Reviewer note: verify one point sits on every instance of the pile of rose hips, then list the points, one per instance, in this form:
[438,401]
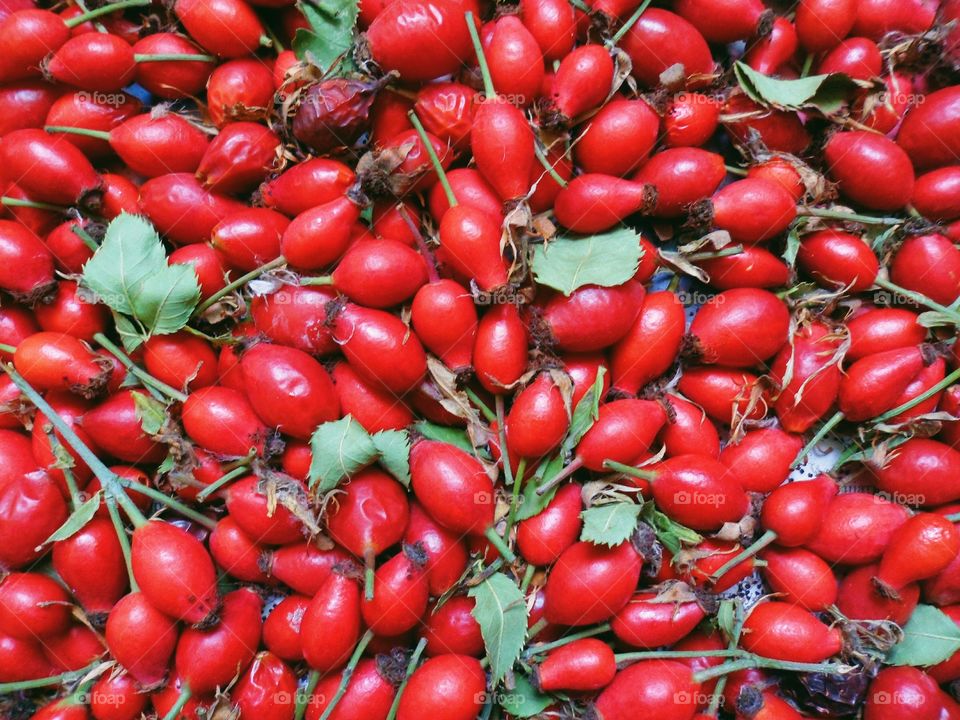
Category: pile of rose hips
[336,384]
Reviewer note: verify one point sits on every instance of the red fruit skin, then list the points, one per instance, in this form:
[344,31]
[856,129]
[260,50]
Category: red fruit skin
[514,59]
[181,360]
[856,57]
[207,264]
[239,158]
[116,696]
[209,411]
[721,392]
[688,431]
[690,120]
[859,599]
[592,317]
[914,693]
[33,606]
[875,18]
[295,316]
[303,567]
[542,538]
[182,210]
[27,37]
[79,110]
[319,236]
[452,629]
[49,168]
[937,194]
[870,170]
[592,203]
[331,625]
[803,578]
[699,492]
[448,686]
[401,596]
[783,631]
[380,347]
[856,528]
[618,138]
[232,549]
[446,111]
[881,329]
[469,188]
[71,409]
[470,246]
[173,79]
[420,39]
[228,28]
[716,554]
[740,328]
[582,81]
[795,511]
[267,689]
[373,407]
[781,131]
[380,273]
[581,666]
[55,361]
[936,259]
[207,659]
[925,380]
[90,563]
[755,267]
[28,264]
[761,459]
[288,389]
[928,133]
[645,623]
[370,515]
[781,171]
[452,486]
[306,185]
[660,39]
[174,571]
[446,553]
[612,573]
[141,639]
[445,319]
[838,259]
[722,22]
[368,696]
[919,474]
[249,239]
[753,210]
[537,421]
[281,629]
[239,89]
[681,177]
[114,425]
[656,688]
[623,432]
[552,24]
[22,660]
[874,384]
[948,670]
[822,24]
[500,350]
[652,343]
[25,105]
[772,52]
[503,147]
[248,505]
[68,312]
[920,548]
[97,62]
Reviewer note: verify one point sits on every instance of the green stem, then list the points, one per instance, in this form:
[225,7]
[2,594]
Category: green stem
[238,283]
[318,280]
[504,453]
[488,87]
[484,409]
[755,661]
[548,165]
[850,217]
[105,10]
[10,349]
[68,476]
[173,57]
[629,23]
[411,666]
[807,65]
[630,470]
[154,494]
[677,654]
[955,517]
[369,572]
[528,574]
[714,708]
[347,674]
[499,543]
[17,202]
[12,687]
[919,299]
[220,482]
[546,647]
[723,252]
[86,237]
[146,378]
[185,695]
[768,537]
[569,470]
[515,498]
[303,699]
[86,132]
[927,394]
[820,435]
[122,539]
[734,170]
[434,158]
[537,627]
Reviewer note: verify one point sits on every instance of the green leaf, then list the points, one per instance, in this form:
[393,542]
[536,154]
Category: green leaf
[792,248]
[393,446]
[501,612]
[568,263]
[929,637]
[339,449]
[77,520]
[727,617]
[151,413]
[129,273]
[585,414]
[672,535]
[827,93]
[523,701]
[532,504]
[442,433]
[610,524]
[330,36]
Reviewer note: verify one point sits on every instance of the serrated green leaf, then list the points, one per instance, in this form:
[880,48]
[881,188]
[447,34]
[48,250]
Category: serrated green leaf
[77,520]
[610,524]
[827,93]
[168,464]
[501,612]
[532,504]
[929,637]
[151,413]
[330,36]
[442,433]
[568,263]
[585,414]
[339,449]
[393,446]
[129,274]
[524,700]
[672,535]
